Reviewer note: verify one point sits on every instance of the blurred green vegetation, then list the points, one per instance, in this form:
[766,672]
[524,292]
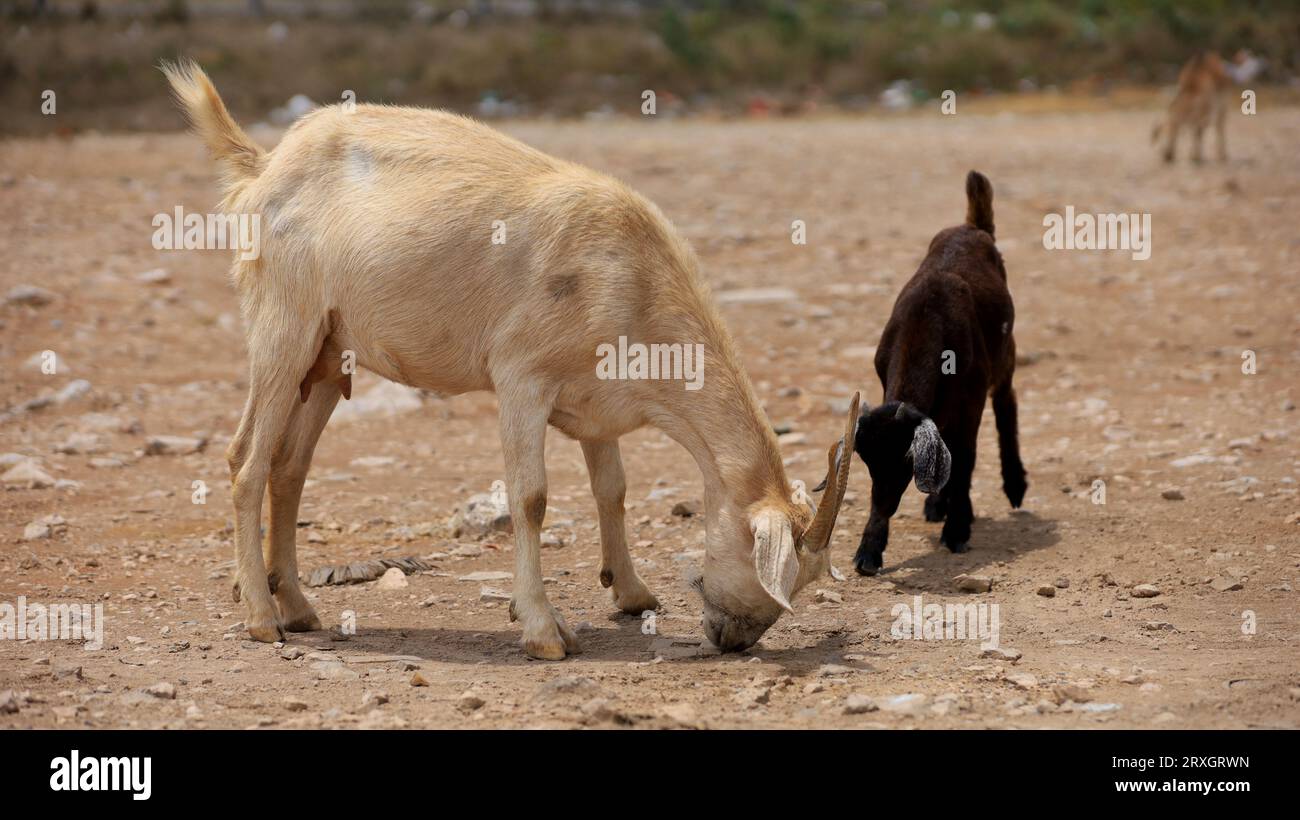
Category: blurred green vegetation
[570,58]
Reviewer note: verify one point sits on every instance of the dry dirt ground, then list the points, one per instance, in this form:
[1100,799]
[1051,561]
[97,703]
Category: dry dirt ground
[1131,374]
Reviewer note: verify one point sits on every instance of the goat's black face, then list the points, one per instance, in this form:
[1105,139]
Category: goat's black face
[898,442]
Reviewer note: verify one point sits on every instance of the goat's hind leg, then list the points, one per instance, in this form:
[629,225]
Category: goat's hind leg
[1005,413]
[288,473]
[608,485]
[273,392]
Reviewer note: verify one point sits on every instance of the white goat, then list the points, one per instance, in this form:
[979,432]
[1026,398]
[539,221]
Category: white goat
[377,228]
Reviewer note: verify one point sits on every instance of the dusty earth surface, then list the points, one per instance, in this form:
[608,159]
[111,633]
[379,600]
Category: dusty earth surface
[1131,374]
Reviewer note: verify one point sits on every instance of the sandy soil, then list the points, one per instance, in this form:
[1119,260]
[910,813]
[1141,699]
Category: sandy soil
[1131,375]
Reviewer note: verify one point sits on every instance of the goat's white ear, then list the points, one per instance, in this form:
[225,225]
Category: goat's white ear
[775,555]
[931,461]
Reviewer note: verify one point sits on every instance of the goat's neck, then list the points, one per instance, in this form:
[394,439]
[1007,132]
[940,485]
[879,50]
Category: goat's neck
[725,429]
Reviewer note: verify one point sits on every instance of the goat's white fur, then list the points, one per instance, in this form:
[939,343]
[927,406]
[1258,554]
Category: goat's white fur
[377,227]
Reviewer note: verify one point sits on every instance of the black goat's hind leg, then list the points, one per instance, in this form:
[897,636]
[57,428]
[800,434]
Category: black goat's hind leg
[1013,470]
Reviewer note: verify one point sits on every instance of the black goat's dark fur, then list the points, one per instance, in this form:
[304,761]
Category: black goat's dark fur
[956,309]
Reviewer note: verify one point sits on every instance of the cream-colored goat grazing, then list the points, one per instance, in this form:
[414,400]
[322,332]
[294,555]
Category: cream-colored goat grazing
[377,228]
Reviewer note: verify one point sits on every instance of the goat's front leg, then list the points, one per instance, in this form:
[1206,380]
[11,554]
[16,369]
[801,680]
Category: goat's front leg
[524,411]
[1171,137]
[936,506]
[886,492]
[956,529]
[1198,140]
[608,485]
[1219,132]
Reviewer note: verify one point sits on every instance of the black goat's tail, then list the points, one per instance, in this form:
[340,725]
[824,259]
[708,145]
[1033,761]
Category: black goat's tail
[979,202]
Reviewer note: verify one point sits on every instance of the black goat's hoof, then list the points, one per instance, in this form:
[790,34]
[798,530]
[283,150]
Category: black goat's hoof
[959,547]
[868,563]
[1015,489]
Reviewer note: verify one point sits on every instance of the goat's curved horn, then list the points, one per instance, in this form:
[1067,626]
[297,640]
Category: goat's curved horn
[818,536]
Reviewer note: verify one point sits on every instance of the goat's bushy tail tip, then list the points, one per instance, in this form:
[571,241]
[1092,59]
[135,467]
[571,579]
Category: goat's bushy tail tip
[208,116]
[979,202]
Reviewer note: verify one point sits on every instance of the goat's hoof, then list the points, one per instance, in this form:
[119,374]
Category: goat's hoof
[300,620]
[296,613]
[1015,489]
[266,631]
[304,623]
[548,638]
[634,600]
[868,563]
[957,547]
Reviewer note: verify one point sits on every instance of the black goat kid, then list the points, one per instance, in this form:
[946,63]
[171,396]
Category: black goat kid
[947,345]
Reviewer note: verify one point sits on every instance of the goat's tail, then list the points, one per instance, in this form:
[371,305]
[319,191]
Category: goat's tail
[241,158]
[979,202]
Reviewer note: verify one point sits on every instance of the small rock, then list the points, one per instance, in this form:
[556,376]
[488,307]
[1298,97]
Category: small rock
[1226,584]
[907,704]
[1063,692]
[333,670]
[826,596]
[157,276]
[29,295]
[686,509]
[859,705]
[173,445]
[469,701]
[294,705]
[1023,681]
[1001,654]
[601,710]
[486,576]
[162,690]
[1047,591]
[1146,591]
[393,578]
[973,583]
[418,680]
[484,514]
[27,474]
[1172,494]
[493,594]
[292,653]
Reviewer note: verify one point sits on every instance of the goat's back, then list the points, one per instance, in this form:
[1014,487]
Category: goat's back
[956,302]
[443,244]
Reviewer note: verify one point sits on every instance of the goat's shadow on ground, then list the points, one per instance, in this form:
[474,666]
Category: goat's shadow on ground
[992,540]
[622,641]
